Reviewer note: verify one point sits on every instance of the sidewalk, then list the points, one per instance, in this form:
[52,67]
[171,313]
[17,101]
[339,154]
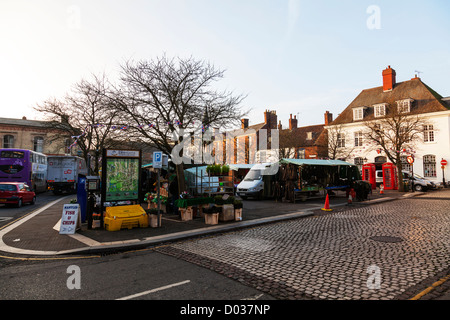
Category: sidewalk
[37,233]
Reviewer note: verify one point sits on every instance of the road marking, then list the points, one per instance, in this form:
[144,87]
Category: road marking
[431,288]
[155,290]
[14,224]
[5,218]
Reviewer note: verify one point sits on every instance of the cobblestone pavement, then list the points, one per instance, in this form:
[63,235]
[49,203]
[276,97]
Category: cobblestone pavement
[387,251]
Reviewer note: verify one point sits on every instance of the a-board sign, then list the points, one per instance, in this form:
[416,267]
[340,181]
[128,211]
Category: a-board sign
[70,220]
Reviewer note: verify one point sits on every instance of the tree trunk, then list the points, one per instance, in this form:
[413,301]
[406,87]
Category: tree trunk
[401,186]
[180,177]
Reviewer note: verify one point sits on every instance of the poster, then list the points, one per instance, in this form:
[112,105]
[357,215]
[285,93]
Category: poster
[122,180]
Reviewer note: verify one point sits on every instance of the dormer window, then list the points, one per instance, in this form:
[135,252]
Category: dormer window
[379,110]
[309,136]
[404,106]
[358,113]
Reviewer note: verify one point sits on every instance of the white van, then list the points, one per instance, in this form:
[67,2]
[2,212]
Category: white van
[420,183]
[253,183]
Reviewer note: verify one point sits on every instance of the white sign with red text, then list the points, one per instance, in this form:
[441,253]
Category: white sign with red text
[70,220]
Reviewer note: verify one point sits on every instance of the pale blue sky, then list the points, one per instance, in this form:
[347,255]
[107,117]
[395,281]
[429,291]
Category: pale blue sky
[293,56]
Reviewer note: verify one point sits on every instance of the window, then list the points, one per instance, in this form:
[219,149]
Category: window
[405,165]
[8,141]
[309,136]
[358,114]
[379,110]
[38,145]
[428,133]
[301,154]
[359,163]
[358,139]
[429,165]
[340,140]
[404,106]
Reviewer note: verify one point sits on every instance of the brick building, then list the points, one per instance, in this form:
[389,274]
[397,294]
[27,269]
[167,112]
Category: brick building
[33,135]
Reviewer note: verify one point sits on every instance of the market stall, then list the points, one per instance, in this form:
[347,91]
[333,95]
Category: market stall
[301,179]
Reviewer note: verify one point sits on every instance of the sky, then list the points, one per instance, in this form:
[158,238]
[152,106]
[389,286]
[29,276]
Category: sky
[299,57]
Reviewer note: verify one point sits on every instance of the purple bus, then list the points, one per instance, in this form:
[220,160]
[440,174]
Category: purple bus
[20,165]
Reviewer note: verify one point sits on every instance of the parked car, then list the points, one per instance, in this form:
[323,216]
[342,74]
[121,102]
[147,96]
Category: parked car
[420,183]
[16,193]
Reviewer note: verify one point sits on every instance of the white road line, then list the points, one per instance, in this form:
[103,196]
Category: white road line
[8,228]
[155,290]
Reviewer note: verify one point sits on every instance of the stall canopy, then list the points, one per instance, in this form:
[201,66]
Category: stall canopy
[315,162]
[236,167]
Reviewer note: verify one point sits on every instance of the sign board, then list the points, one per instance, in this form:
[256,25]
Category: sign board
[70,220]
[121,175]
[410,159]
[157,159]
[444,162]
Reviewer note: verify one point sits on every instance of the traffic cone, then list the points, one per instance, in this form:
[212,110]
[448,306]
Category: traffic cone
[350,200]
[327,204]
[381,189]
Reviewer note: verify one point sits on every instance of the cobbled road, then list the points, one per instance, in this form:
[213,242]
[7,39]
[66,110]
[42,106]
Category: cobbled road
[378,252]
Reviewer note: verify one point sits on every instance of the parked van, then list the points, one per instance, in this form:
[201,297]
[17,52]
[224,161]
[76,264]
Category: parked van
[255,180]
[379,177]
[420,183]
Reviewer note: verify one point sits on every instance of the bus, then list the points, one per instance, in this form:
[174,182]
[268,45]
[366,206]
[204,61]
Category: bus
[20,165]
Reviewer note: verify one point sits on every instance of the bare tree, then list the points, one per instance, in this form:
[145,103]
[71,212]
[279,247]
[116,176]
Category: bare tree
[394,133]
[86,114]
[163,96]
[338,146]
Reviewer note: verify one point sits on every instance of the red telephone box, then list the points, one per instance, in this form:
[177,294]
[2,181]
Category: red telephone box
[368,174]
[390,179]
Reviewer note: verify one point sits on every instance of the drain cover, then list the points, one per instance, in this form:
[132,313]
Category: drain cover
[387,239]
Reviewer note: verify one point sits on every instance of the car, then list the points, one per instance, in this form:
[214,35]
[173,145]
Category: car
[420,183]
[16,193]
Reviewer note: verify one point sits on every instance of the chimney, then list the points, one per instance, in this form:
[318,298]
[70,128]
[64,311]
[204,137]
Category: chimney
[270,118]
[280,127]
[292,122]
[388,79]
[328,118]
[244,123]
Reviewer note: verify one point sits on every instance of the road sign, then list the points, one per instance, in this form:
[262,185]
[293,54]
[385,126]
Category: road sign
[410,159]
[444,162]
[157,159]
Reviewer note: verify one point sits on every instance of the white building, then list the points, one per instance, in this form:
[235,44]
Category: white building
[413,98]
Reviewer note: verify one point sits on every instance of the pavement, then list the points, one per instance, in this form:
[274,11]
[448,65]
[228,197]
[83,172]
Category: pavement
[37,233]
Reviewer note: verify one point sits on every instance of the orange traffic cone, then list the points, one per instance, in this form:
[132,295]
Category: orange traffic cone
[327,204]
[350,199]
[381,189]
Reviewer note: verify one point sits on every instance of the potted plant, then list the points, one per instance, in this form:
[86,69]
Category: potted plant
[96,220]
[238,205]
[219,201]
[211,215]
[153,217]
[224,170]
